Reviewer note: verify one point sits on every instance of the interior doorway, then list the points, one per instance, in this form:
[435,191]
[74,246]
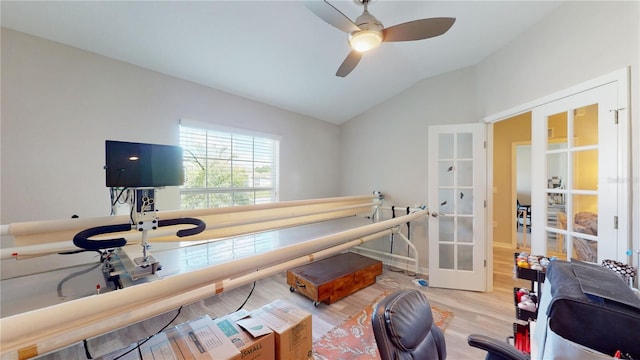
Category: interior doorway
[549,190]
[508,135]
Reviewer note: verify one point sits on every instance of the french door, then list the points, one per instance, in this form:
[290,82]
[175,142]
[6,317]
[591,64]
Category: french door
[457,194]
[576,161]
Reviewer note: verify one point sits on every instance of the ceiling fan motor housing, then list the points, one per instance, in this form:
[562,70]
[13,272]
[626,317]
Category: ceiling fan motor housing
[366,21]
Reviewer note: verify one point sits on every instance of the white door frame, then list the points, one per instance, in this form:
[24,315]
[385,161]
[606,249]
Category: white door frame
[621,77]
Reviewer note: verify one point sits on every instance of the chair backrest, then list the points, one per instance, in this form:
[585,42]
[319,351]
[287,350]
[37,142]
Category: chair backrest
[403,328]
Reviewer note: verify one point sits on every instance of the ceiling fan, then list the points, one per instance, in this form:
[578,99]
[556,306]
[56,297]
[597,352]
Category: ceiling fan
[367,32]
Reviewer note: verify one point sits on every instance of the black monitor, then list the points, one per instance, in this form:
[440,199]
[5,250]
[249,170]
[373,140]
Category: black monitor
[142,165]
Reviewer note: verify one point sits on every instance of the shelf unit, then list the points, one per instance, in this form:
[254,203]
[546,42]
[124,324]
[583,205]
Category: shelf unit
[521,329]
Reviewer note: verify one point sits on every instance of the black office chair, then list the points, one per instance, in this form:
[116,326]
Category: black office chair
[403,328]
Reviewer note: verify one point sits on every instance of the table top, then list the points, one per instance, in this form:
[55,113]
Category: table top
[331,268]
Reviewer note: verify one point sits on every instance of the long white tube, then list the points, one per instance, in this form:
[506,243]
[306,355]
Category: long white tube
[159,306]
[33,227]
[168,234]
[293,213]
[30,251]
[221,222]
[76,316]
[36,250]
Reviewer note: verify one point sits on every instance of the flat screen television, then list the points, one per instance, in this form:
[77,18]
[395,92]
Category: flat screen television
[131,164]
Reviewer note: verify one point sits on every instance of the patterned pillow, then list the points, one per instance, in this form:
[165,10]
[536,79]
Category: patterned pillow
[625,271]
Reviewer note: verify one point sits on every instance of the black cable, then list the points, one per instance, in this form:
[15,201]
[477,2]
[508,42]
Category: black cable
[86,349]
[78,251]
[132,208]
[117,199]
[393,216]
[149,338]
[248,296]
[408,224]
[163,328]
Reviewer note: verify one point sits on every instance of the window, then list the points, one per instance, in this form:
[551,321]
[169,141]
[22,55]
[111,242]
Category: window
[227,167]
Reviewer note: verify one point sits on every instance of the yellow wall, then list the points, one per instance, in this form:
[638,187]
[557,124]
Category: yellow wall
[505,133]
[518,130]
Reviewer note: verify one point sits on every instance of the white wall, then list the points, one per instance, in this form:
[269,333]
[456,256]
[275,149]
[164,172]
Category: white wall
[385,149]
[59,105]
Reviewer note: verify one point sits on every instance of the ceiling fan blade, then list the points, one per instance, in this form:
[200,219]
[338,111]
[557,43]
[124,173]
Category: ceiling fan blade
[349,63]
[331,15]
[418,29]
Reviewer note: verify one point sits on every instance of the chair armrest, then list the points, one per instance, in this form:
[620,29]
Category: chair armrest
[497,350]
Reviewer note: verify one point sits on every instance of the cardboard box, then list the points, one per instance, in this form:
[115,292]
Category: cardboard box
[162,347]
[292,328]
[250,347]
[200,339]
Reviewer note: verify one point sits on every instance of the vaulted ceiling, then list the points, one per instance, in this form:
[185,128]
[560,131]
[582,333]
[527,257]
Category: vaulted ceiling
[278,52]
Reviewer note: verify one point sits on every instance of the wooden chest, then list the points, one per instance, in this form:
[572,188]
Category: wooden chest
[334,278]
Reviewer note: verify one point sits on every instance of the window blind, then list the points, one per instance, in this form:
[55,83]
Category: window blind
[227,168]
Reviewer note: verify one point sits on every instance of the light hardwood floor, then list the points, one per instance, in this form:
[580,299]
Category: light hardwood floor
[490,313]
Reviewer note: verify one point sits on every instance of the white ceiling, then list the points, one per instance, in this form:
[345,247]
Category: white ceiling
[278,52]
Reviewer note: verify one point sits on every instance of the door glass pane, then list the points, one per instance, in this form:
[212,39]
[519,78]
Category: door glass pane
[586,125]
[586,213]
[585,170]
[556,217]
[445,146]
[446,256]
[445,228]
[465,202]
[465,229]
[465,173]
[465,257]
[556,176]
[445,173]
[585,250]
[556,245]
[465,145]
[557,129]
[446,201]
[585,221]
[556,241]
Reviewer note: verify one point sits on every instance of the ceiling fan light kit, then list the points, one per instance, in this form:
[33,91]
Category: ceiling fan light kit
[367,32]
[365,40]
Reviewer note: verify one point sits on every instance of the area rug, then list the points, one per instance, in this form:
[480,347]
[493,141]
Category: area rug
[353,339]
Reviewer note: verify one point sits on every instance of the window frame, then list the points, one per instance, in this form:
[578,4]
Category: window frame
[236,137]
